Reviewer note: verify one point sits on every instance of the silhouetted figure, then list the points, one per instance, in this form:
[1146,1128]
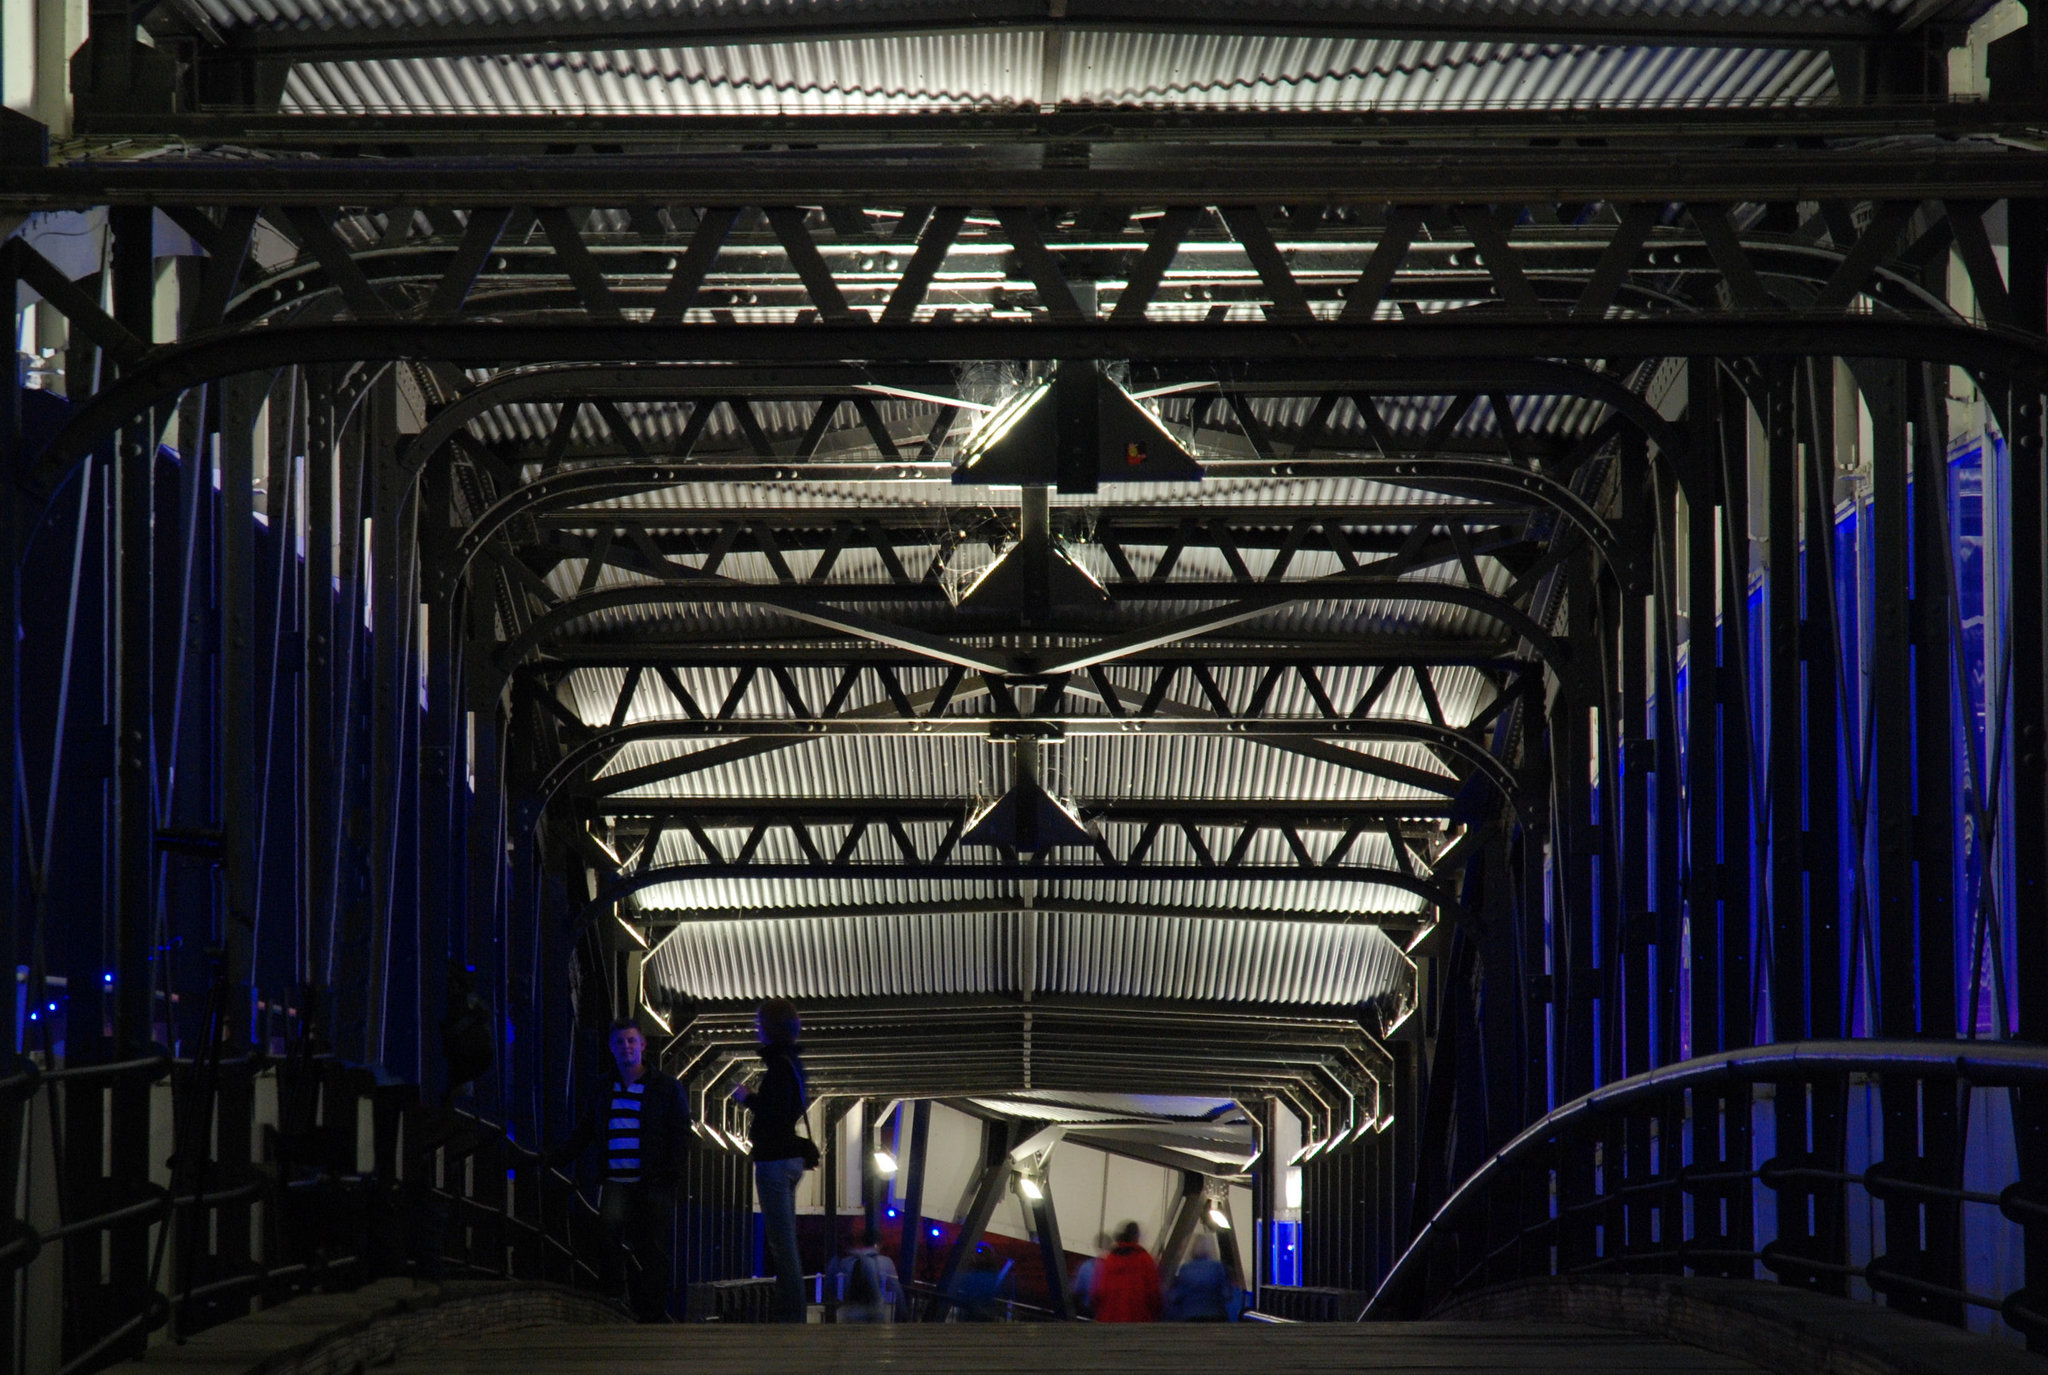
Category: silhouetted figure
[1202,1289]
[980,1293]
[866,1282]
[1081,1289]
[1126,1287]
[640,1118]
[780,1156]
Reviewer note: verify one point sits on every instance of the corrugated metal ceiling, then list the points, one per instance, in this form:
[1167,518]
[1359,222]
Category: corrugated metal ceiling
[1117,956]
[925,936]
[1005,70]
[1022,66]
[370,14]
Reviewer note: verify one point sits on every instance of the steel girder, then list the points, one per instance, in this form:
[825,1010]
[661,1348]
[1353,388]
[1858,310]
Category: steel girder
[176,368]
[1322,1059]
[1265,165]
[1763,357]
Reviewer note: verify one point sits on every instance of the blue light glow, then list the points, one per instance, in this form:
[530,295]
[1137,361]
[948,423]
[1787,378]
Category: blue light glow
[106,978]
[893,1213]
[935,1231]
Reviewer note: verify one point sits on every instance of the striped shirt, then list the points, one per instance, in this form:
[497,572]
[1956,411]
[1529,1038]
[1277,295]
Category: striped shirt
[622,1142]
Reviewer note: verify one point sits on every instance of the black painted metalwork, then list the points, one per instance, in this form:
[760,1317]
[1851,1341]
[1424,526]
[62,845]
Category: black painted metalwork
[312,596]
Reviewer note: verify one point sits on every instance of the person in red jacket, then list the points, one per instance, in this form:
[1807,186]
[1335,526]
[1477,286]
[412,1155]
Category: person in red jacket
[1127,1282]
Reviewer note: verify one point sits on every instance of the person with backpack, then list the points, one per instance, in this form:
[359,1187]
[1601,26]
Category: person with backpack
[780,1155]
[1127,1282]
[866,1282]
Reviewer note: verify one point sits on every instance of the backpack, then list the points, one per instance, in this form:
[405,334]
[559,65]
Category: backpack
[864,1285]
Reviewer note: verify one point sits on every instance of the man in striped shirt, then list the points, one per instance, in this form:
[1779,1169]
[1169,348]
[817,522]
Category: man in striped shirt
[640,1118]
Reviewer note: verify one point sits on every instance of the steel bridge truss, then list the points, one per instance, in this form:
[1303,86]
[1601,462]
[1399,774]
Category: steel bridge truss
[532,582]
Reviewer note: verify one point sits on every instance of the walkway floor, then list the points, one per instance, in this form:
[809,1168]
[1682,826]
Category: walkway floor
[1028,1348]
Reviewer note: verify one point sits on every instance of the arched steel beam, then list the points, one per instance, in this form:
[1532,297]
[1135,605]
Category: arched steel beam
[620,888]
[1408,732]
[1401,922]
[168,372]
[642,271]
[1244,604]
[601,748]
[567,768]
[1440,473]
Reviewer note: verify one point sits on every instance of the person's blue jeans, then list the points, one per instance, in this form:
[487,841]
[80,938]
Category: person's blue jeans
[775,1181]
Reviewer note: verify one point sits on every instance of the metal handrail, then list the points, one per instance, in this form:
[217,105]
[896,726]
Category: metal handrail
[1991,1063]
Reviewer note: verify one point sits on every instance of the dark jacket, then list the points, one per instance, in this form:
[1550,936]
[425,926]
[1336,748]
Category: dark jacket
[665,1137]
[777,1104]
[1201,1293]
[1127,1286]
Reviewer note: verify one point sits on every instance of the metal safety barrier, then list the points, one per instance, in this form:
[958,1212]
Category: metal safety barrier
[254,1212]
[1659,1173]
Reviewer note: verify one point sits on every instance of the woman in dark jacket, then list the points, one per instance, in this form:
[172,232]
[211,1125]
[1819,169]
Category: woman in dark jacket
[777,1104]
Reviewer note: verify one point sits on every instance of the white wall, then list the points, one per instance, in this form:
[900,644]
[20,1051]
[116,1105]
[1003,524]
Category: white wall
[1092,1192]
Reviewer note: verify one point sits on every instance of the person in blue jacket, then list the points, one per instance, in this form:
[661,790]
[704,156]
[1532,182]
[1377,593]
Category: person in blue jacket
[1202,1289]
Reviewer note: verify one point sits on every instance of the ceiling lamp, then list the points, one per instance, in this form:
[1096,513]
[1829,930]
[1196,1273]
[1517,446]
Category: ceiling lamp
[885,1163]
[1037,575]
[1030,1188]
[1026,818]
[1075,430]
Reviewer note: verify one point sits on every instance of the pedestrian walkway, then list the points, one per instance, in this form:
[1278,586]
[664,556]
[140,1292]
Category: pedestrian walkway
[1027,1348]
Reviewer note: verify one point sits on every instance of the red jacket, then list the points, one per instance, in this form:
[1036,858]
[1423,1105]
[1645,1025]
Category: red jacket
[1127,1286]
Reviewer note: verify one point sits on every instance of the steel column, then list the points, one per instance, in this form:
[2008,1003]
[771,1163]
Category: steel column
[911,1166]
[242,400]
[996,1139]
[2027,688]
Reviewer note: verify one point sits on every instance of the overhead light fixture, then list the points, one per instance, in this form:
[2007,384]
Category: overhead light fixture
[996,425]
[1076,430]
[1029,1187]
[885,1163]
[1026,818]
[1035,576]
[1219,1219]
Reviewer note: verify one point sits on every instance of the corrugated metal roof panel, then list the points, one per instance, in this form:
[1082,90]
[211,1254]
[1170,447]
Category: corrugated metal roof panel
[1005,69]
[1363,900]
[1193,959]
[1250,71]
[383,14]
[1216,959]
[839,957]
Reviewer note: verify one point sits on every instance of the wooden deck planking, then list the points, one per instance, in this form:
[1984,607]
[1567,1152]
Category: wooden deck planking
[1024,1349]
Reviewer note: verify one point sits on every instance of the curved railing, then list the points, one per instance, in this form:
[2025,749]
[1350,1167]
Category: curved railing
[1658,1173]
[423,1191]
